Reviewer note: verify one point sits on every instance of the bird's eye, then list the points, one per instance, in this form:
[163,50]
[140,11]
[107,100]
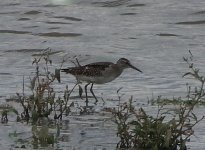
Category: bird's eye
[126,62]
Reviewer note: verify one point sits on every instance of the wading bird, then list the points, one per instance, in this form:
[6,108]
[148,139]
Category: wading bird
[99,73]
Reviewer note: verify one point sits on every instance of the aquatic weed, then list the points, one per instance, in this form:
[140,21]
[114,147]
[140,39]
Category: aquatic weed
[171,128]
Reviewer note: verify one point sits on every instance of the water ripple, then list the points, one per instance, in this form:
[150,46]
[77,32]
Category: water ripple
[11,4]
[10,12]
[5,73]
[69,18]
[199,12]
[53,28]
[192,22]
[32,12]
[57,22]
[128,14]
[51,5]
[24,50]
[111,3]
[58,34]
[14,32]
[166,34]
[23,19]
[136,5]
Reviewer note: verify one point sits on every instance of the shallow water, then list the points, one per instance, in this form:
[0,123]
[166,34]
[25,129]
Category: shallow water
[153,35]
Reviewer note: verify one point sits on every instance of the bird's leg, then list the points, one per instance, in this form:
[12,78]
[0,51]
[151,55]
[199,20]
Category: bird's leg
[91,90]
[86,94]
[80,91]
[73,88]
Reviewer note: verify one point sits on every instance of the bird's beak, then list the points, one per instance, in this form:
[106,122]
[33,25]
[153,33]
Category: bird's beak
[133,67]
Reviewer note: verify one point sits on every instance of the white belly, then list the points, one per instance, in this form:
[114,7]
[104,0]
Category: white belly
[97,80]
[107,76]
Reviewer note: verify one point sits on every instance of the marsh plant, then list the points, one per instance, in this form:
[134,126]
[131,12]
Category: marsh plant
[171,128]
[43,102]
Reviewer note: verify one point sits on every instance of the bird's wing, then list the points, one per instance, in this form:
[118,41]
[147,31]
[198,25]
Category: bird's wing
[99,65]
[73,70]
[93,69]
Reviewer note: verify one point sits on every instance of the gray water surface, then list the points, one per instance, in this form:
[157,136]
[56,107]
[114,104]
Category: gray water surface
[153,34]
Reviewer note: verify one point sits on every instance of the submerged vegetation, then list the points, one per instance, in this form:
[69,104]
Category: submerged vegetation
[170,128]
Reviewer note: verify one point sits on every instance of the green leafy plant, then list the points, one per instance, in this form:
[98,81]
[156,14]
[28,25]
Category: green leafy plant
[170,129]
[42,102]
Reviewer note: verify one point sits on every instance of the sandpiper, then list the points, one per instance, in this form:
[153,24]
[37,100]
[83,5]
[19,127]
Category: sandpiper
[99,73]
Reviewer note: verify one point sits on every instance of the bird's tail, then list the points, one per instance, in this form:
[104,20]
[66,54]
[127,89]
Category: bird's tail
[66,70]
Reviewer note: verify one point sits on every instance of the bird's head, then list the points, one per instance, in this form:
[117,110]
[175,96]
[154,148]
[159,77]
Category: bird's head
[125,63]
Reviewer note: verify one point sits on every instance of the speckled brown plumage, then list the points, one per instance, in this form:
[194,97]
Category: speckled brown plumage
[100,72]
[91,70]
